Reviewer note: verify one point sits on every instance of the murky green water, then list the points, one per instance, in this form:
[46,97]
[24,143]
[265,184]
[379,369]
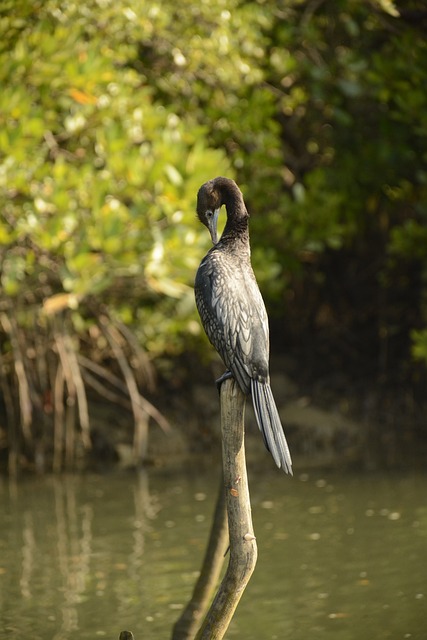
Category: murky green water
[340,556]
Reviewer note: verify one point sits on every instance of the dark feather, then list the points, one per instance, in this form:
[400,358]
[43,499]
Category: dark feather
[232,310]
[269,423]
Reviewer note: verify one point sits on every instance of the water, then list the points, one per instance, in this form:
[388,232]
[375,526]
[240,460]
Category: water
[341,556]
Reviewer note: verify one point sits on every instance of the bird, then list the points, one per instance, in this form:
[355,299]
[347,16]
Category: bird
[232,310]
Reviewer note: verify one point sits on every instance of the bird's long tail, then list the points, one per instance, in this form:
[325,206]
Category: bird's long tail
[270,425]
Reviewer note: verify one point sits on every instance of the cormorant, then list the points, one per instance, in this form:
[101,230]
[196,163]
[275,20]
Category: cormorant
[232,310]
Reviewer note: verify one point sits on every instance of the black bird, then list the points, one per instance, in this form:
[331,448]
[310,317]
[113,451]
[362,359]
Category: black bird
[232,310]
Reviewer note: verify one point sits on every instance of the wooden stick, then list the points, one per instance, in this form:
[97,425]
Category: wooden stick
[243,548]
[187,624]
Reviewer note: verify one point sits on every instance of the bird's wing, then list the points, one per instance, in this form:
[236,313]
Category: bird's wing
[234,318]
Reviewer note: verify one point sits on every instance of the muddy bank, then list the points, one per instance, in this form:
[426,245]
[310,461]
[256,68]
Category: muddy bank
[331,420]
[329,423]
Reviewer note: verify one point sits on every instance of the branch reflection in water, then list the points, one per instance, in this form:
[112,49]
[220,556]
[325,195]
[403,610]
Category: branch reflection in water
[74,546]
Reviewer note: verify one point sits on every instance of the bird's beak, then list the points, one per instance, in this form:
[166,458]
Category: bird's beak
[213,226]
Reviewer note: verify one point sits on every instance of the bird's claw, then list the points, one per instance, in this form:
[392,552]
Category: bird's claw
[225,376]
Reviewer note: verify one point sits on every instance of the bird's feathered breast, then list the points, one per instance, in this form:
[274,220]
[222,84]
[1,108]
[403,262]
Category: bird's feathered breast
[233,314]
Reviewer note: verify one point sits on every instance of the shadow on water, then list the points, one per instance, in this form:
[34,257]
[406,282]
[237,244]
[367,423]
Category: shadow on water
[86,556]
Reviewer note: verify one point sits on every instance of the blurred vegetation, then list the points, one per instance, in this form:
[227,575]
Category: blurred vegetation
[112,114]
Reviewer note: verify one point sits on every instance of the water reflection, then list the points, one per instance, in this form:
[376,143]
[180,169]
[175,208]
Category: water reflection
[74,545]
[67,543]
[84,557]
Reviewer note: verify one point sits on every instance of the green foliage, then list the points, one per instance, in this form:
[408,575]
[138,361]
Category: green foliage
[420,345]
[352,109]
[110,114]
[97,179]
[113,114]
[97,194]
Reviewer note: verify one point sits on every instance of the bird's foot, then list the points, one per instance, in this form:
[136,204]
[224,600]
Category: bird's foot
[225,376]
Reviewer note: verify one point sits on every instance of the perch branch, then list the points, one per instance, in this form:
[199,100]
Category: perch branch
[243,548]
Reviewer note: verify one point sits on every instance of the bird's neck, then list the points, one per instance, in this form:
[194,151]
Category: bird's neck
[236,230]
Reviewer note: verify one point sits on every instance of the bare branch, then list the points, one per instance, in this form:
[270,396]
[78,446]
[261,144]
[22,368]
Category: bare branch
[243,548]
[58,401]
[118,384]
[74,380]
[140,417]
[25,404]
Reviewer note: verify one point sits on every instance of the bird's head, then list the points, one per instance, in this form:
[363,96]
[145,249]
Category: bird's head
[212,195]
[209,201]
